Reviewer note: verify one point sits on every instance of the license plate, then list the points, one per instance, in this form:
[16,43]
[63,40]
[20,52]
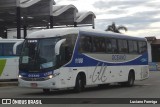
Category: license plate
[34,85]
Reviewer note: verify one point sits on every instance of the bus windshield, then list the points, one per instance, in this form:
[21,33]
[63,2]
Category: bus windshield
[38,54]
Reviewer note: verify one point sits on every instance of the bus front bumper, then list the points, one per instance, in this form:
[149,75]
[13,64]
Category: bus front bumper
[48,84]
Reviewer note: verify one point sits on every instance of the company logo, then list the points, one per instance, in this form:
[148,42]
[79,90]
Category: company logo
[21,101]
[34,75]
[144,60]
[6,101]
[119,57]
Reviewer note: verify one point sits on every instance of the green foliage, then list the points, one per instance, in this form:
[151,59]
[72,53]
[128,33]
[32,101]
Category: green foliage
[2,65]
[114,28]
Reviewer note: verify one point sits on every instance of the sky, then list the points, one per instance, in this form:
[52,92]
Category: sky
[141,17]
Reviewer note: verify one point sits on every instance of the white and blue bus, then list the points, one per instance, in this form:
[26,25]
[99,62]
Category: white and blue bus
[75,58]
[9,63]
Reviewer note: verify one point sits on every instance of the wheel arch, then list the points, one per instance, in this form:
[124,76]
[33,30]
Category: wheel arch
[82,74]
[133,72]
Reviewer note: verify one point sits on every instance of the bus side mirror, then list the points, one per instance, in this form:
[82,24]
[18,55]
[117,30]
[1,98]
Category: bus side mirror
[58,45]
[17,48]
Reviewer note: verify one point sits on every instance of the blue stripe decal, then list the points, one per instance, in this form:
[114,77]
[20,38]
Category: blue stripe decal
[35,75]
[84,61]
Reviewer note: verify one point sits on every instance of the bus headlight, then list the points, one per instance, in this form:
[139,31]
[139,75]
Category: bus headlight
[20,76]
[51,76]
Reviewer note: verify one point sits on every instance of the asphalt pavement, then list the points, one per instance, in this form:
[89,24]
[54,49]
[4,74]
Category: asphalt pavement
[149,88]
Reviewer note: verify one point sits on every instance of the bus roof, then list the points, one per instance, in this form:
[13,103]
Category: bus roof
[52,32]
[64,31]
[10,40]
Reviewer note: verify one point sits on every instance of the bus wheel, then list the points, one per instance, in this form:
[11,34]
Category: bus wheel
[79,84]
[46,91]
[130,82]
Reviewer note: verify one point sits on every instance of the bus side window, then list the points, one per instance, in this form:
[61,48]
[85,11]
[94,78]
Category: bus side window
[142,47]
[8,51]
[123,47]
[111,45]
[65,54]
[114,46]
[85,44]
[133,49]
[108,45]
[1,49]
[68,53]
[99,45]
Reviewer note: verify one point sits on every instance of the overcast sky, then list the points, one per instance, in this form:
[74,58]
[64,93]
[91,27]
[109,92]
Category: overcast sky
[141,17]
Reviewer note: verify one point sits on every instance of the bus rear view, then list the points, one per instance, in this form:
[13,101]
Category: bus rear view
[8,61]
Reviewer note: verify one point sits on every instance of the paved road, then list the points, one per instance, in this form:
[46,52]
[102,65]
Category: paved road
[149,88]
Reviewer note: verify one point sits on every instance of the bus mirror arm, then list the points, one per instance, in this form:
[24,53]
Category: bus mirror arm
[57,61]
[58,45]
[15,48]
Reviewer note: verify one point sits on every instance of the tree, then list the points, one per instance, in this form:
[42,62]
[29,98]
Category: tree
[114,28]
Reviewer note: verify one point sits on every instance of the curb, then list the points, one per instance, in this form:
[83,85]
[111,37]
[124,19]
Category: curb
[6,84]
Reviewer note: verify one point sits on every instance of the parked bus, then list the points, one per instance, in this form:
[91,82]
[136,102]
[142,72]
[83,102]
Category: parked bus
[75,58]
[8,61]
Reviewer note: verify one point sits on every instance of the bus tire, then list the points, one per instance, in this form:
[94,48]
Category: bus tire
[130,82]
[46,91]
[79,86]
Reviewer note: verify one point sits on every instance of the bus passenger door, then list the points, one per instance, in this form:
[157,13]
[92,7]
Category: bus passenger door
[63,58]
[70,70]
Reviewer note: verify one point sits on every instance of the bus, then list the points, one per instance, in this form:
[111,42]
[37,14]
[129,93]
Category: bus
[76,57]
[8,61]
